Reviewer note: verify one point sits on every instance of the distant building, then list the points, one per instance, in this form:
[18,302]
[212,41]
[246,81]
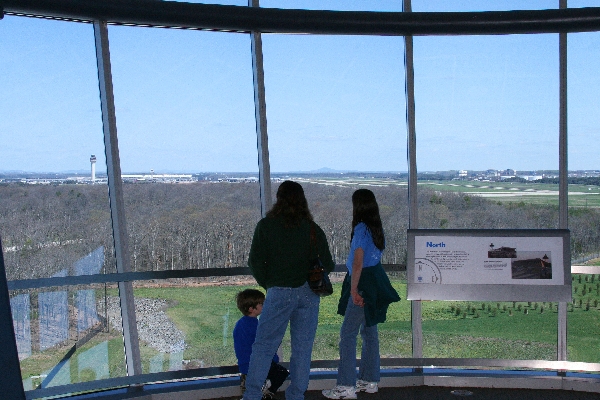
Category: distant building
[507,174]
[503,252]
[531,177]
[93,162]
[152,177]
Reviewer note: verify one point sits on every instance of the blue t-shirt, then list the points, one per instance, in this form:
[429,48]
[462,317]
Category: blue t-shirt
[244,334]
[362,239]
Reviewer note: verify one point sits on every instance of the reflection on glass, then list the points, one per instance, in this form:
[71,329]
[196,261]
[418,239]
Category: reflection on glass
[21,314]
[93,363]
[90,264]
[156,363]
[64,336]
[87,314]
[57,375]
[53,318]
[189,323]
[165,333]
[55,327]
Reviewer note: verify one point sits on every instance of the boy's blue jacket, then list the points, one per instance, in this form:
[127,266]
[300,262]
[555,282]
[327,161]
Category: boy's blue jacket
[377,292]
[244,334]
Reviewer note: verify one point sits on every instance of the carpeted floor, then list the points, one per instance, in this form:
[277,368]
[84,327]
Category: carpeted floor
[444,393]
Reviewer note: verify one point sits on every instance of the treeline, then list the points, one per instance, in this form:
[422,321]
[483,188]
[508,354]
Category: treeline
[573,180]
[45,230]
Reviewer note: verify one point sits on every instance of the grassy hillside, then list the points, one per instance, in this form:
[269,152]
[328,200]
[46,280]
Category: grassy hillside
[508,330]
[451,329]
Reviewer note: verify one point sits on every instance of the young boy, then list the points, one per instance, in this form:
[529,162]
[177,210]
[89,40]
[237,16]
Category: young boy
[250,303]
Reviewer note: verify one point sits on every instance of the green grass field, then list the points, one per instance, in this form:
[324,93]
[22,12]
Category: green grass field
[451,329]
[504,330]
[528,193]
[505,192]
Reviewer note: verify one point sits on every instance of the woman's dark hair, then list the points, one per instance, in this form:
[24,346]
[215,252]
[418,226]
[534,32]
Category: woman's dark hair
[365,209]
[291,204]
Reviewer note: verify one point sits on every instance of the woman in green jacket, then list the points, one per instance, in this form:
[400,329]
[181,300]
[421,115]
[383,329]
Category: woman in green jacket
[279,261]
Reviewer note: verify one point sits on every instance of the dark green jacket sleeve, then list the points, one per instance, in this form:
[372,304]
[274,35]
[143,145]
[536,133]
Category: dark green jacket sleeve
[257,260]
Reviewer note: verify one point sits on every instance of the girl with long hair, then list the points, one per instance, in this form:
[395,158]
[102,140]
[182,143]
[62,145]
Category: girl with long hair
[366,295]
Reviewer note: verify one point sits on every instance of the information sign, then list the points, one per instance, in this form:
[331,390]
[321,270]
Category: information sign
[508,265]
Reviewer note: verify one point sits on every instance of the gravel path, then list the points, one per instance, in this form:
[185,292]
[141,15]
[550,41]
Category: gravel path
[154,326]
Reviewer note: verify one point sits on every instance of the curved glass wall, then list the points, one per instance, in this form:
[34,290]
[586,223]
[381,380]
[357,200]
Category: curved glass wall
[335,113]
[486,115]
[583,122]
[185,117]
[55,216]
[486,111]
[187,142]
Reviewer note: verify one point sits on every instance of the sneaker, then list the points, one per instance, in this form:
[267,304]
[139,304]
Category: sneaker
[266,393]
[268,396]
[266,386]
[364,386]
[340,392]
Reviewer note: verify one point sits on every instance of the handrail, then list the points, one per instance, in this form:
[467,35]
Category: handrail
[23,284]
[38,283]
[270,20]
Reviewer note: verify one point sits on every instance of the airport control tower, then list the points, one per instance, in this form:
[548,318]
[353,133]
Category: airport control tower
[93,162]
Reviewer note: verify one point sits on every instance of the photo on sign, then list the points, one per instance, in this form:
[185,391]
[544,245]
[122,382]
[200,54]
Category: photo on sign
[532,265]
[502,252]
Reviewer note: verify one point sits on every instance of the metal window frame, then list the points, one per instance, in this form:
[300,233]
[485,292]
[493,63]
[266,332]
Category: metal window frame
[256,20]
[175,14]
[563,206]
[260,115]
[115,192]
[10,366]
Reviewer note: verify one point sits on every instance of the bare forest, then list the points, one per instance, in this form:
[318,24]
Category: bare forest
[46,229]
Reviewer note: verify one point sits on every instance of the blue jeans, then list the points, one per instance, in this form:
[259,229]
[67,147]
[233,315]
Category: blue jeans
[369,371]
[300,307]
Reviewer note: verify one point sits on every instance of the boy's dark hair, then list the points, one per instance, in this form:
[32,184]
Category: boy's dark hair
[249,298]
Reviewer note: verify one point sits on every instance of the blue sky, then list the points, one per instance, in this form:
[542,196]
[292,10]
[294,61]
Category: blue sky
[184,100]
